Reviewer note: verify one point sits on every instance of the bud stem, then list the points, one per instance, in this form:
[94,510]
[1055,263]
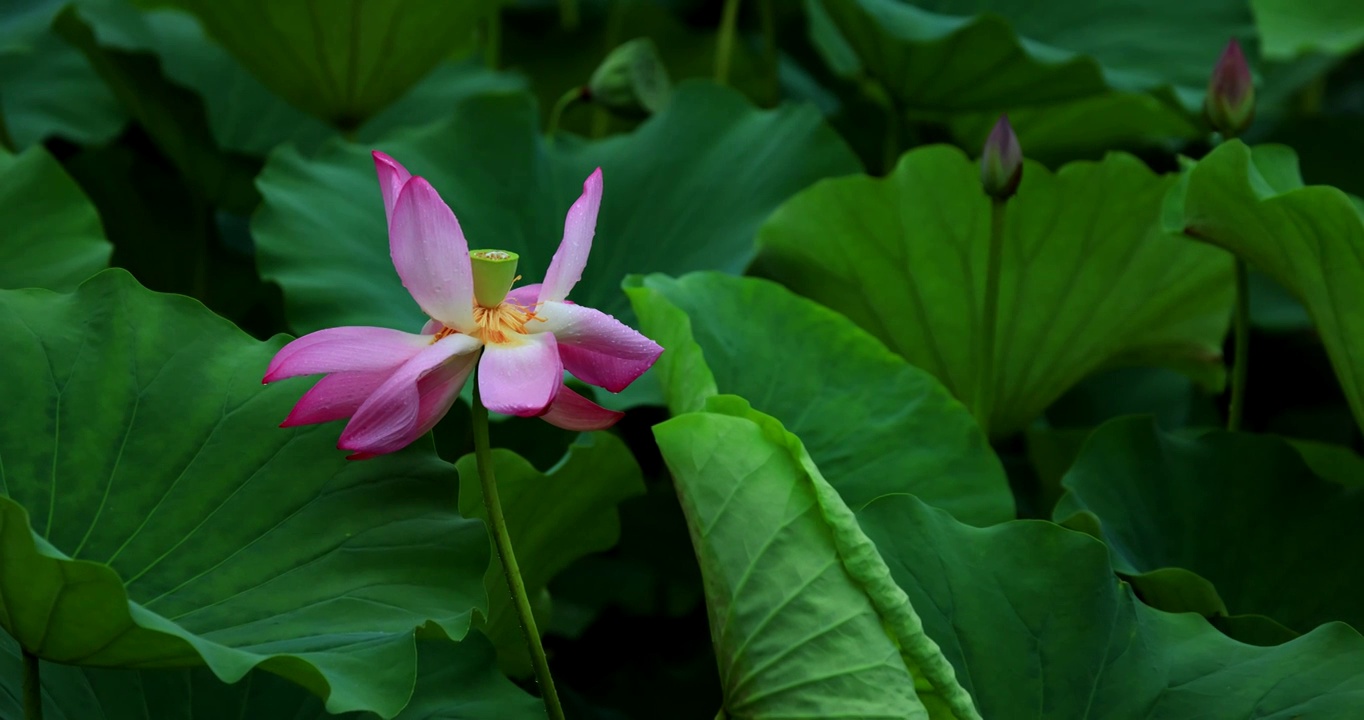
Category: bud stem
[497,523]
[984,399]
[724,44]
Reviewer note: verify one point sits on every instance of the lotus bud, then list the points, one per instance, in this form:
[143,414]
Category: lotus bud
[1230,104]
[1001,162]
[631,81]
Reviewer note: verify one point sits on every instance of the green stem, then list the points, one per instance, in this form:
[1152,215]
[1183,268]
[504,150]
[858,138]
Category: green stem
[483,453]
[556,114]
[724,45]
[985,381]
[568,14]
[1241,354]
[33,688]
[890,148]
[767,16]
[6,141]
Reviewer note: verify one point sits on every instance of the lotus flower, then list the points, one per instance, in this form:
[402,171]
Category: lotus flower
[395,386]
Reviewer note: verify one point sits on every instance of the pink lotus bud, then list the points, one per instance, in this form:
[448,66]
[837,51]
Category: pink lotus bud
[1001,162]
[1230,105]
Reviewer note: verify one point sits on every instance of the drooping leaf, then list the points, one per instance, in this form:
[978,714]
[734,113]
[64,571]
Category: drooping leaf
[456,680]
[341,62]
[851,401]
[1207,505]
[173,116]
[1308,238]
[52,237]
[554,518]
[1088,277]
[964,55]
[804,617]
[48,89]
[1032,618]
[153,515]
[1027,612]
[1288,30]
[242,114]
[675,198]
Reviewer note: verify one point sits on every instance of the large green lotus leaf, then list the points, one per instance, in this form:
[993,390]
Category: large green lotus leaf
[686,191]
[1032,618]
[1088,278]
[1289,29]
[554,518]
[244,115]
[48,89]
[342,62]
[1307,238]
[153,515]
[851,401]
[805,619]
[1203,504]
[456,680]
[52,237]
[971,55]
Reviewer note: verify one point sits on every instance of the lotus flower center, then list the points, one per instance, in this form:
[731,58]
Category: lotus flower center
[502,324]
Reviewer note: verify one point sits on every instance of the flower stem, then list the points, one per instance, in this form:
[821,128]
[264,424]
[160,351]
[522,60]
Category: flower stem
[724,44]
[33,688]
[556,114]
[1241,354]
[483,453]
[985,380]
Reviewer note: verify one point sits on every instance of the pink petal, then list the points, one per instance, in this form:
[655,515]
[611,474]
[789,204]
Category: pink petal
[437,392]
[520,378]
[404,407]
[345,349]
[432,327]
[566,269]
[525,296]
[334,397]
[572,411]
[597,348]
[392,177]
[431,255]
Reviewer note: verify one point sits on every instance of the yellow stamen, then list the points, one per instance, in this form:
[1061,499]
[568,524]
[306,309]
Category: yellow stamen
[497,325]
[502,323]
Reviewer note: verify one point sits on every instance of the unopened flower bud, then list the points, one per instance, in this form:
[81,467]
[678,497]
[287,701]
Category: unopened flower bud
[632,80]
[1230,104]
[1001,162]
[494,273]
